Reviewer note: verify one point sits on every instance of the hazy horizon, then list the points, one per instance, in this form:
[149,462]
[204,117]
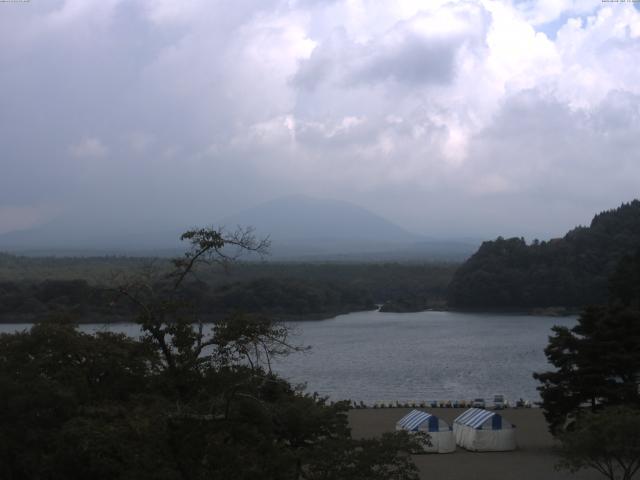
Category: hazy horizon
[465,119]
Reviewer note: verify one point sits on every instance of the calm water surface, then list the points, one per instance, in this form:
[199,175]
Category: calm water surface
[373,356]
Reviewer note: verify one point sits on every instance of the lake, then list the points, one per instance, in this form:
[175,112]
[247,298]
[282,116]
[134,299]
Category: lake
[406,357]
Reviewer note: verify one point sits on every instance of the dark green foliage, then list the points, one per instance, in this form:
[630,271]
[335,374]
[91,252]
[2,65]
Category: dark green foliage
[597,361]
[624,285]
[96,270]
[107,407]
[572,271]
[179,403]
[54,381]
[289,297]
[20,301]
[283,290]
[279,297]
[608,442]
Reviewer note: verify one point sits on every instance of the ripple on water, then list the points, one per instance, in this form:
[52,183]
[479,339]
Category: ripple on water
[373,356]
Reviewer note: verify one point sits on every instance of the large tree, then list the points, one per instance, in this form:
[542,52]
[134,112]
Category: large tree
[598,360]
[597,363]
[608,442]
[180,402]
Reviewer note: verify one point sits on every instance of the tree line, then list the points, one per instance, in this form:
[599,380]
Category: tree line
[179,403]
[283,298]
[293,290]
[571,272]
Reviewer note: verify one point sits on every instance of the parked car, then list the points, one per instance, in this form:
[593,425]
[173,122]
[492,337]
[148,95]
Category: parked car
[478,403]
[498,401]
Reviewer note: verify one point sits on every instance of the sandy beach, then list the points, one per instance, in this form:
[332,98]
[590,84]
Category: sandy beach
[533,460]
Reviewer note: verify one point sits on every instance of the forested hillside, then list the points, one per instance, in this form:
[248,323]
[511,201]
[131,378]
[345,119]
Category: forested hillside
[569,272]
[33,288]
[24,301]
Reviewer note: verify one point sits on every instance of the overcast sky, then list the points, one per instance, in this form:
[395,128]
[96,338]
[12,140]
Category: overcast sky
[473,118]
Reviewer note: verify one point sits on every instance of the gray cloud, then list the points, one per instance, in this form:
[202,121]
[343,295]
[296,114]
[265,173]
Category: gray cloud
[415,60]
[414,52]
[451,118]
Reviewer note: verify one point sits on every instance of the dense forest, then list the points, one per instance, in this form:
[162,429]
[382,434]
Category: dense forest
[37,287]
[176,403]
[568,272]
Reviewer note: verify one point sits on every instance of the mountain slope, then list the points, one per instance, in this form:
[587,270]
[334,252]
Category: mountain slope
[301,229]
[571,272]
[299,217]
[304,228]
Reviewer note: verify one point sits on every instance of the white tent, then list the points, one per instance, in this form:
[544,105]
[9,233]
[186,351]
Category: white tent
[484,431]
[440,434]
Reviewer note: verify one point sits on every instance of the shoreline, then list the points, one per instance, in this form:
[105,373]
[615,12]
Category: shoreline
[107,319]
[534,458]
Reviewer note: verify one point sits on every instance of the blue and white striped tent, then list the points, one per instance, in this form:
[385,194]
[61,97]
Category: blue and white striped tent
[484,431]
[440,433]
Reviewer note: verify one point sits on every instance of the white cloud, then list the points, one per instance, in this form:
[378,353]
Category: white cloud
[597,56]
[463,99]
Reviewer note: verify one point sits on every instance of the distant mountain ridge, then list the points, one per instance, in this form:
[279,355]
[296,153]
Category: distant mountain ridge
[571,272]
[301,228]
[304,228]
[300,217]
